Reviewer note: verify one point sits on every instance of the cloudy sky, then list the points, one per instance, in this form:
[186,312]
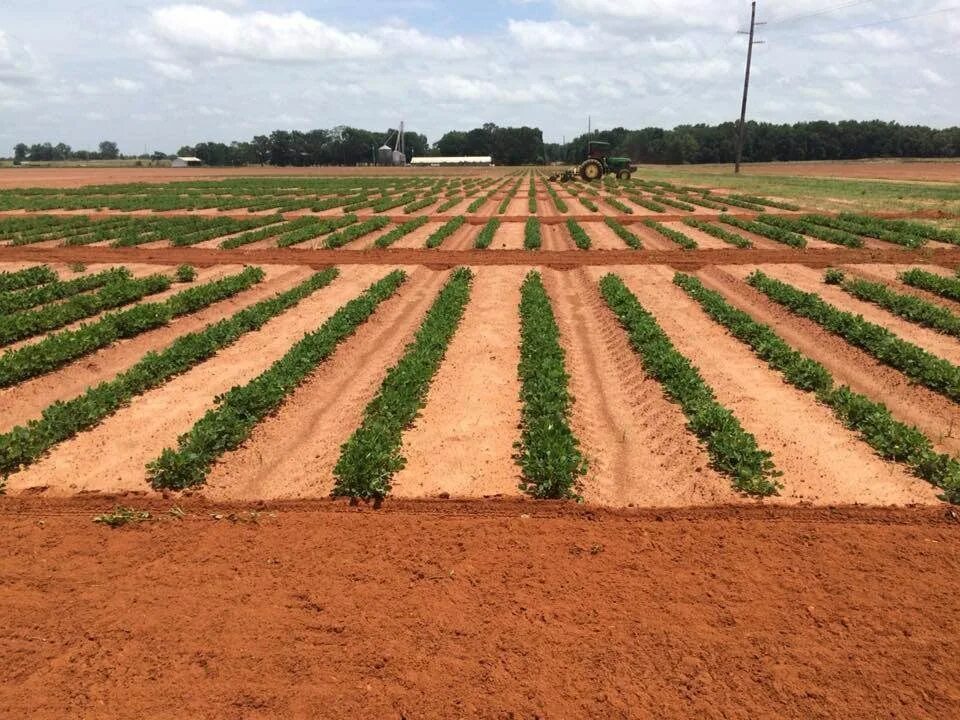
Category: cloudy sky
[155,74]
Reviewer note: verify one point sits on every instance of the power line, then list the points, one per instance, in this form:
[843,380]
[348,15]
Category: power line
[816,13]
[894,20]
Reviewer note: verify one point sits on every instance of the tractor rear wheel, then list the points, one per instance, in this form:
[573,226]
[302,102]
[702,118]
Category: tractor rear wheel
[623,175]
[591,170]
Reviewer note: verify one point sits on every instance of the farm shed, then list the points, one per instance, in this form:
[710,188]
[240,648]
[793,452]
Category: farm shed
[180,162]
[464,160]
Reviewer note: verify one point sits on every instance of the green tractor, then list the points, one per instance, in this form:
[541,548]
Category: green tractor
[599,163]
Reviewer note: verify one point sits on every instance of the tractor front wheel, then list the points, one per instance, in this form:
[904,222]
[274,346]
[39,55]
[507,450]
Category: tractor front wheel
[623,175]
[591,170]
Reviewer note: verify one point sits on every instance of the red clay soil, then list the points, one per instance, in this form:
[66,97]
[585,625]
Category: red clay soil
[399,255]
[477,610]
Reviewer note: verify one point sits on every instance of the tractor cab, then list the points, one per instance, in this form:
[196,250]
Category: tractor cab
[599,163]
[598,150]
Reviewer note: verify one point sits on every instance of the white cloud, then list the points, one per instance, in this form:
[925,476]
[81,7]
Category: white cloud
[17,63]
[853,89]
[171,71]
[934,78]
[126,85]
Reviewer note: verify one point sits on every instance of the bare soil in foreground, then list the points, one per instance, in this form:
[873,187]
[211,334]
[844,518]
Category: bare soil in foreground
[506,609]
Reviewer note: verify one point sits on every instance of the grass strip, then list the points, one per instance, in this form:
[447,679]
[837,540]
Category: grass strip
[445,231]
[945,287]
[916,363]
[548,452]
[914,309]
[578,234]
[400,231]
[64,347]
[485,236]
[768,231]
[18,300]
[532,238]
[623,233]
[372,456]
[718,232]
[732,450]
[225,427]
[890,439]
[28,277]
[678,237]
[352,232]
[62,420]
[27,323]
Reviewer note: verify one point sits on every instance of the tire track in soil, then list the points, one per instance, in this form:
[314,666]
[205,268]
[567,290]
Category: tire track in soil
[822,461]
[636,442]
[293,453]
[127,440]
[914,404]
[462,239]
[602,237]
[556,237]
[462,442]
[25,401]
[943,346]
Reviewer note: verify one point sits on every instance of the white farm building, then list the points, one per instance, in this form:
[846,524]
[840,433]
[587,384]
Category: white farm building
[463,160]
[179,162]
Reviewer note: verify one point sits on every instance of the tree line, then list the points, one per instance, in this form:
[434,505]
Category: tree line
[767,142]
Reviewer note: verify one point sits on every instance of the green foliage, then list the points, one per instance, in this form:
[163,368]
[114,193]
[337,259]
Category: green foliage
[678,237]
[578,234]
[531,234]
[511,193]
[774,233]
[908,307]
[623,233]
[186,273]
[77,267]
[62,420]
[66,346]
[445,231]
[803,227]
[718,232]
[243,407]
[558,201]
[420,204]
[588,204]
[664,200]
[648,204]
[946,287]
[914,362]
[371,457]
[16,300]
[617,205]
[732,449]
[891,439]
[452,202]
[27,277]
[754,200]
[277,227]
[868,226]
[400,231]
[121,515]
[311,228]
[352,232]
[485,236]
[548,452]
[532,197]
[833,276]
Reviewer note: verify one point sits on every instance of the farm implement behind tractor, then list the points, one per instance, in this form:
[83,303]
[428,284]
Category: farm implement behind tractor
[597,165]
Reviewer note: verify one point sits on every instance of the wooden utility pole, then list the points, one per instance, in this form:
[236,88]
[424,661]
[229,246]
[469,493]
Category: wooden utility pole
[742,129]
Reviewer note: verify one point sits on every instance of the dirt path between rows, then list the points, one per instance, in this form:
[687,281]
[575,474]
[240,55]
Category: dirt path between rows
[487,609]
[822,461]
[135,435]
[462,443]
[635,441]
[293,453]
[28,399]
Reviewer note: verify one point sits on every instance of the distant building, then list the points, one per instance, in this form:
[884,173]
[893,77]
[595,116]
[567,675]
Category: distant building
[186,162]
[463,160]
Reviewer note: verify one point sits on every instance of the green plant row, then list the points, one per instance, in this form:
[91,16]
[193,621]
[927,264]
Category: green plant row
[648,204]
[532,238]
[532,197]
[910,308]
[891,439]
[754,200]
[558,201]
[400,231]
[62,420]
[511,193]
[945,287]
[548,452]
[675,236]
[485,236]
[617,205]
[718,232]
[910,228]
[623,233]
[445,231]
[452,202]
[730,200]
[242,408]
[588,203]
[123,291]
[265,232]
[579,235]
[64,347]
[868,226]
[914,362]
[17,300]
[372,456]
[664,200]
[732,450]
[317,227]
[28,277]
[420,204]
[702,202]
[352,232]
[769,231]
[804,227]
